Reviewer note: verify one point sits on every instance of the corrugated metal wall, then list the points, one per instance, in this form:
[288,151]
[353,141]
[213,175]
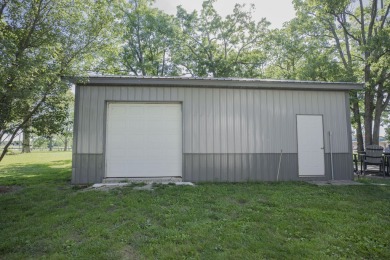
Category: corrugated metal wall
[228,134]
[258,167]
[222,120]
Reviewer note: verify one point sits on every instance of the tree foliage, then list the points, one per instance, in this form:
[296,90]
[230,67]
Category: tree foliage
[221,47]
[298,53]
[328,40]
[40,41]
[340,41]
[148,39]
[199,44]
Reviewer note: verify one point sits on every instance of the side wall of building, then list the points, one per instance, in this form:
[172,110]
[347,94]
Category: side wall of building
[228,134]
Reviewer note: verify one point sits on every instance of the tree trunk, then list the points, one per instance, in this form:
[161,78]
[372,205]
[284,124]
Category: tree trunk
[368,107]
[66,143]
[26,142]
[25,121]
[50,146]
[26,147]
[368,122]
[376,130]
[358,121]
[377,115]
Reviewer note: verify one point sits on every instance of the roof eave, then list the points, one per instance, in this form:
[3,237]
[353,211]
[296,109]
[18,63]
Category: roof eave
[214,82]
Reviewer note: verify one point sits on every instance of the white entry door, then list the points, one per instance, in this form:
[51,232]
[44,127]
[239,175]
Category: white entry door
[310,145]
[143,140]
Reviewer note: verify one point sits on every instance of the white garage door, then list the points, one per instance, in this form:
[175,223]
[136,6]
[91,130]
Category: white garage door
[143,140]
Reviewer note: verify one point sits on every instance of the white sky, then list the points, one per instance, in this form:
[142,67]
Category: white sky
[276,11]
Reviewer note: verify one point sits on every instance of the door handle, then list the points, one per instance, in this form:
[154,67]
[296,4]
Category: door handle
[322,148]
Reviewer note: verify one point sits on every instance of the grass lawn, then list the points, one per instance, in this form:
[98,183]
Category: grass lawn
[45,217]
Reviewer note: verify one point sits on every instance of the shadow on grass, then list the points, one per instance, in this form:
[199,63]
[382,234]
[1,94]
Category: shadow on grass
[58,172]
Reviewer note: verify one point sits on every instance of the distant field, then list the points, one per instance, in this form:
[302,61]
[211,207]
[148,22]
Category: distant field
[43,216]
[18,149]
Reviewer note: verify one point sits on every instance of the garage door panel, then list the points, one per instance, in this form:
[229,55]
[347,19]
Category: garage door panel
[139,170]
[135,129]
[137,144]
[143,140]
[161,123]
[164,145]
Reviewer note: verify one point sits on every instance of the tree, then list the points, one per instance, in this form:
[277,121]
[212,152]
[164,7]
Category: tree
[298,53]
[26,146]
[55,118]
[148,36]
[40,142]
[66,131]
[42,40]
[360,34]
[210,45]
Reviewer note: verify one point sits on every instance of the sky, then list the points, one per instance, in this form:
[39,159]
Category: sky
[276,11]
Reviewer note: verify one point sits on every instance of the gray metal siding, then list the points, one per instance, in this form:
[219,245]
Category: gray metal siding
[87,168]
[228,134]
[342,166]
[223,120]
[258,167]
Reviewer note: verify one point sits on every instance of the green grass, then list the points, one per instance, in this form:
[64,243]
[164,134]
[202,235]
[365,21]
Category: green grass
[48,218]
[373,180]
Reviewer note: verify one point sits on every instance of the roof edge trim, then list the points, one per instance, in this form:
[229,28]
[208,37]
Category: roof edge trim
[212,82]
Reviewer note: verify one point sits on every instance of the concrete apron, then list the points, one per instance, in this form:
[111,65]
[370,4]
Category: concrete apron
[335,182]
[143,180]
[110,183]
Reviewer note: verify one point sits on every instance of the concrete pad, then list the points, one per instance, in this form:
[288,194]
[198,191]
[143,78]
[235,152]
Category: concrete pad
[100,185]
[145,180]
[148,186]
[184,183]
[335,183]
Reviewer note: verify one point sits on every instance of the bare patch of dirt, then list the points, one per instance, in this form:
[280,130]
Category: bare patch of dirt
[8,189]
[129,252]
